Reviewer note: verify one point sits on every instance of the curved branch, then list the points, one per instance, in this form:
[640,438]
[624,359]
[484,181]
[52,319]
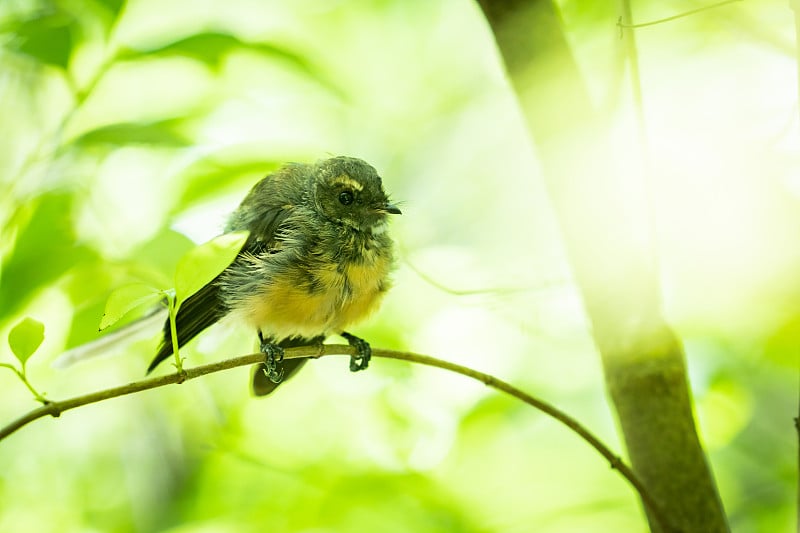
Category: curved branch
[55,408]
[614,460]
[628,25]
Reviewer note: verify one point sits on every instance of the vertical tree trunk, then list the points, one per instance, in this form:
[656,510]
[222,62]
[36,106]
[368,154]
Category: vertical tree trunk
[613,262]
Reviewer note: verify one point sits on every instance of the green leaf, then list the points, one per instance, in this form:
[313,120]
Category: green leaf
[47,38]
[125,299]
[25,338]
[204,263]
[45,249]
[92,13]
[783,346]
[113,6]
[163,132]
[208,179]
[211,48]
[208,48]
[231,170]
[155,261]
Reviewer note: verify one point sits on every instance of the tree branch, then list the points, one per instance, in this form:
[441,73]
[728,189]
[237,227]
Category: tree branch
[601,212]
[55,408]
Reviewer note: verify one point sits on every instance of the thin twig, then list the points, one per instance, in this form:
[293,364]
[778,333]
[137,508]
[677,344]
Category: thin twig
[623,24]
[55,408]
[614,460]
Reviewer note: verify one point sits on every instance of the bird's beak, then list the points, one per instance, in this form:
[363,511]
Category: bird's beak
[391,208]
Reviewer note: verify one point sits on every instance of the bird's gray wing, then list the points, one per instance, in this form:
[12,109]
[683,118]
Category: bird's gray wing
[206,306]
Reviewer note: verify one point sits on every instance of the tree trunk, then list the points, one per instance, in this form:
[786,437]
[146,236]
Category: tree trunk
[611,252]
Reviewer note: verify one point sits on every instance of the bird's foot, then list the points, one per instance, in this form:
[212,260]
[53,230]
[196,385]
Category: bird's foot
[273,362]
[360,361]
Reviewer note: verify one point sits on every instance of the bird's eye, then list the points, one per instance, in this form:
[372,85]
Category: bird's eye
[346,197]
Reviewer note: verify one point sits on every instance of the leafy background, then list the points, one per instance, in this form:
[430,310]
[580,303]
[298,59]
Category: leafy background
[130,128]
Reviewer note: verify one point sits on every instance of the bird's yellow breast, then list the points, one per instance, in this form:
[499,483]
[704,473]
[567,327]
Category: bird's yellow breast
[338,296]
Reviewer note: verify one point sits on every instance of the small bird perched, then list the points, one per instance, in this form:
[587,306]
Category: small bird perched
[317,260]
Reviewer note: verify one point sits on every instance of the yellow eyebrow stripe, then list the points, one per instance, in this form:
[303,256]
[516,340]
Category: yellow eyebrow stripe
[349,182]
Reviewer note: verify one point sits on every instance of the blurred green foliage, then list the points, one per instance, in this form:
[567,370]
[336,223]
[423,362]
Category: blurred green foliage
[130,128]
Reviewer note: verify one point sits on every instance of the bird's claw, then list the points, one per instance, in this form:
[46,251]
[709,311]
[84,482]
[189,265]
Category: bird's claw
[273,367]
[360,361]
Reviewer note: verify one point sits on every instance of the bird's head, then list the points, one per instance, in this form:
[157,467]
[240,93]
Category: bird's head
[349,191]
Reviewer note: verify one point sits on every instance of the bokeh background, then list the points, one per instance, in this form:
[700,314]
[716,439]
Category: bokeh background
[130,128]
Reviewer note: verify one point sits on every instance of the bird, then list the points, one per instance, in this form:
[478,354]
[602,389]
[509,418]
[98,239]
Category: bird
[317,259]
